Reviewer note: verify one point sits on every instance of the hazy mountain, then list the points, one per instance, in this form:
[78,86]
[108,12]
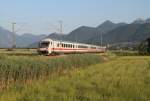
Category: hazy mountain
[108,26]
[33,45]
[112,33]
[85,33]
[58,36]
[121,34]
[130,33]
[24,40]
[141,21]
[82,34]
[148,20]
[27,39]
[142,33]
[5,38]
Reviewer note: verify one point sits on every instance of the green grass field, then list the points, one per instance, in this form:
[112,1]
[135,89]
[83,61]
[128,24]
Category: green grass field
[25,69]
[123,78]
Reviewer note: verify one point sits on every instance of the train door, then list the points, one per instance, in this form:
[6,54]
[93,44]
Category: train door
[52,46]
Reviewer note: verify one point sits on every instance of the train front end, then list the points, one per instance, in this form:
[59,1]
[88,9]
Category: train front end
[44,47]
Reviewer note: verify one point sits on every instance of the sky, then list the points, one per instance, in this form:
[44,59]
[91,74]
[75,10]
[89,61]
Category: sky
[43,16]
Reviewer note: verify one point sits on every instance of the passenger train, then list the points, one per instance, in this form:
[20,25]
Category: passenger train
[50,46]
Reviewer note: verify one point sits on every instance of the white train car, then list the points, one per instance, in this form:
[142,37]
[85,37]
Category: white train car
[50,46]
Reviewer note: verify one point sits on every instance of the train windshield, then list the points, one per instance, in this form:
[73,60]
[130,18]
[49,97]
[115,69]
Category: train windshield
[44,44]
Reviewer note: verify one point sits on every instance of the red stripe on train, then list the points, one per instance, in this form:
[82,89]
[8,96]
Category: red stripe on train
[71,49]
[67,49]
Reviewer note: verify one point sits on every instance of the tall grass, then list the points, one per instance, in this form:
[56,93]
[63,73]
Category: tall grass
[124,79]
[24,69]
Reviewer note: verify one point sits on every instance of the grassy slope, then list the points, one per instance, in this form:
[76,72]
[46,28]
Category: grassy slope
[123,79]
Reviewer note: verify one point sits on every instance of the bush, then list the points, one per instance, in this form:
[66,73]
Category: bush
[126,53]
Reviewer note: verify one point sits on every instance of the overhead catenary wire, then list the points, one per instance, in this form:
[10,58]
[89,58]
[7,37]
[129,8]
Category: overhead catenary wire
[14,36]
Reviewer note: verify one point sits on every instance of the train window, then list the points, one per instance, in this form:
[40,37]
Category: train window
[82,46]
[50,43]
[58,45]
[44,44]
[93,47]
[64,45]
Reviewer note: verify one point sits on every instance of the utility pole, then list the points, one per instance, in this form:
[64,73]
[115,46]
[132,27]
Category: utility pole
[101,39]
[14,37]
[60,22]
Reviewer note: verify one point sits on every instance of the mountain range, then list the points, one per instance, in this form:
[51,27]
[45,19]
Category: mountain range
[109,32]
[6,39]
[112,33]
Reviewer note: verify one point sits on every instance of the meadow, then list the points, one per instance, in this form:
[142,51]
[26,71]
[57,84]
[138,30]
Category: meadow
[24,67]
[110,78]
